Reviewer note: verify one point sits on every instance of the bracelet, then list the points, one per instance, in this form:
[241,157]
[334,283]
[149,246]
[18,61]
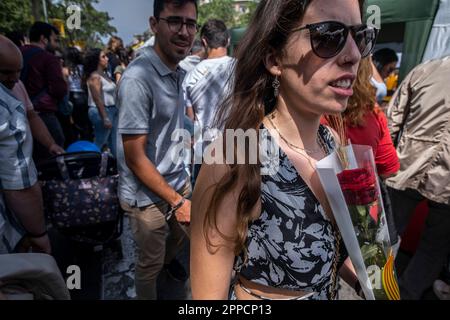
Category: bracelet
[36,236]
[178,205]
[173,209]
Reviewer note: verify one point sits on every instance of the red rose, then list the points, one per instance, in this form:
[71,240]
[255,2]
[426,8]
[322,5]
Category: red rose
[358,186]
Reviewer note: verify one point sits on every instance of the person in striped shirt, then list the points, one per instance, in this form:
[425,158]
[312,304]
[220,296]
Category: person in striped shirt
[22,223]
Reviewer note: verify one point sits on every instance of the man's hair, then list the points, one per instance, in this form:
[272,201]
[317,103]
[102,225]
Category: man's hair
[158,5]
[17,37]
[110,43]
[197,46]
[39,29]
[215,33]
[383,57]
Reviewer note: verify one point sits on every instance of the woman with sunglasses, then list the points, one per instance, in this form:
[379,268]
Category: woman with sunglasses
[273,236]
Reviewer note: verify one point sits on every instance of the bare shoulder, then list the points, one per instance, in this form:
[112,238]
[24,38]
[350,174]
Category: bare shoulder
[94,78]
[209,183]
[206,186]
[214,167]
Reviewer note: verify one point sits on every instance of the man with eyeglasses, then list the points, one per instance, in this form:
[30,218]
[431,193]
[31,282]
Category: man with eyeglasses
[153,182]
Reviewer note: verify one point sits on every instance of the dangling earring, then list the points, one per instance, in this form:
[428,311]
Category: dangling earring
[276,87]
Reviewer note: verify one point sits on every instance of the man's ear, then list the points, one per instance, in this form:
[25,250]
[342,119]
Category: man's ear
[153,24]
[204,43]
[43,40]
[272,63]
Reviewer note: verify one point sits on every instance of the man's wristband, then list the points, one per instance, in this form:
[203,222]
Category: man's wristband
[178,205]
[173,209]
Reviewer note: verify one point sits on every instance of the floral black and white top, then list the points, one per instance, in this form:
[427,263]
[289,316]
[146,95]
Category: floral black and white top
[292,244]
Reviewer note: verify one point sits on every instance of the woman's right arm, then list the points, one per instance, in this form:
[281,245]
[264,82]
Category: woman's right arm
[211,272]
[95,86]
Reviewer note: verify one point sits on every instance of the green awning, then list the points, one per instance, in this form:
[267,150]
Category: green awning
[410,22]
[393,11]
[236,35]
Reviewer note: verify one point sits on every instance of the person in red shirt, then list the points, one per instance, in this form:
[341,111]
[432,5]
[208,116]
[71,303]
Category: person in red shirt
[366,124]
[43,78]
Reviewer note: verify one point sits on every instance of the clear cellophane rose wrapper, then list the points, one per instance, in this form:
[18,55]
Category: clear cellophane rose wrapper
[349,179]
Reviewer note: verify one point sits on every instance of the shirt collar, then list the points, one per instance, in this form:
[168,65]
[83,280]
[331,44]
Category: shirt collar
[159,65]
[7,91]
[11,101]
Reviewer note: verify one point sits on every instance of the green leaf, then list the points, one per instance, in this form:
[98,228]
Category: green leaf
[369,251]
[362,211]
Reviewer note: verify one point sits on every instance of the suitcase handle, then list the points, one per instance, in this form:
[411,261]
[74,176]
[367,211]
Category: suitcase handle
[65,171]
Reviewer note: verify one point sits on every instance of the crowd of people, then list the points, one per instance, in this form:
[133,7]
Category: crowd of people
[252,236]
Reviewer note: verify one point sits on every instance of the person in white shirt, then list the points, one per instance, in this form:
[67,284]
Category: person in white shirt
[205,87]
[198,53]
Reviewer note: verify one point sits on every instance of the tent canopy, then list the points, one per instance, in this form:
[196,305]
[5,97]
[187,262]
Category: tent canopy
[236,35]
[409,22]
[393,11]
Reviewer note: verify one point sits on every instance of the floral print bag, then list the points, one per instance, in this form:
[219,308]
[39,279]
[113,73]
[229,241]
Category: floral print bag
[81,202]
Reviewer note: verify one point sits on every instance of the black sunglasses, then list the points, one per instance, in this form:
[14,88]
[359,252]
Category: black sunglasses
[176,23]
[328,38]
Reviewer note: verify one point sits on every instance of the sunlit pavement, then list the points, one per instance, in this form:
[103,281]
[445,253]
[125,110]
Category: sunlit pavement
[118,262]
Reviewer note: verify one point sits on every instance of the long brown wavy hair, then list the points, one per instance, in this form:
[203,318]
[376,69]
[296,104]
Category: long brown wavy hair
[363,99]
[251,98]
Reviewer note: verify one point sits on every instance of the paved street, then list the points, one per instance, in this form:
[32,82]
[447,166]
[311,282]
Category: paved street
[118,273]
[118,262]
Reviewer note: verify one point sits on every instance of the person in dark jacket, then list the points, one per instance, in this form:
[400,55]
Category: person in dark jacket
[43,78]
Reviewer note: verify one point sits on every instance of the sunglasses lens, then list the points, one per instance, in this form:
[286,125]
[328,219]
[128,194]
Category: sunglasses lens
[328,39]
[365,39]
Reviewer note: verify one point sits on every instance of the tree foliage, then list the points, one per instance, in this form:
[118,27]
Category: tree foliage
[225,10]
[94,24]
[245,18]
[217,9]
[20,15]
[15,16]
